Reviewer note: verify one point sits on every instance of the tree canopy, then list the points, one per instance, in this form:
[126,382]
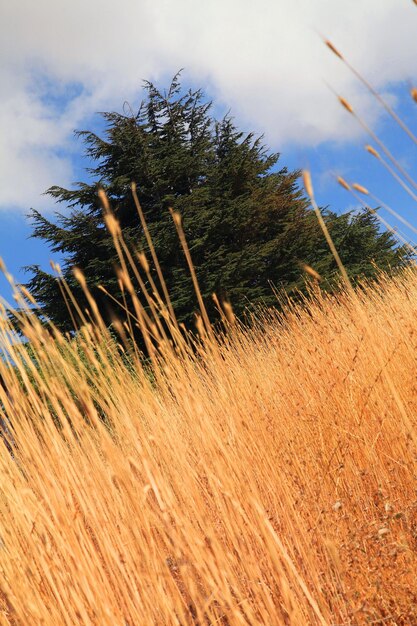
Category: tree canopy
[248,225]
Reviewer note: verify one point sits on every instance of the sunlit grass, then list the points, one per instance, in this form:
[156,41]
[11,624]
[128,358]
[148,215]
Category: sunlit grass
[267,477]
[261,475]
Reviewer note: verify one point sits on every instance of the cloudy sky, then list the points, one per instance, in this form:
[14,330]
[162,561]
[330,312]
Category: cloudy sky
[263,60]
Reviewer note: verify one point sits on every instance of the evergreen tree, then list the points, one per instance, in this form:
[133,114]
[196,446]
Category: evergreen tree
[247,223]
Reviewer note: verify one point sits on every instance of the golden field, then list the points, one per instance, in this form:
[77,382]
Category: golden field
[260,476]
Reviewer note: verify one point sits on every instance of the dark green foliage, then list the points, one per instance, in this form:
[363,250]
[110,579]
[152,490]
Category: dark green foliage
[247,223]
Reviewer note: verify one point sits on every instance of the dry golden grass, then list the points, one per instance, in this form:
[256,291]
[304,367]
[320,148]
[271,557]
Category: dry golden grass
[259,476]
[266,478]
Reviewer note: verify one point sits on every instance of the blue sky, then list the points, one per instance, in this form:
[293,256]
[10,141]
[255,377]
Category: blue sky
[263,61]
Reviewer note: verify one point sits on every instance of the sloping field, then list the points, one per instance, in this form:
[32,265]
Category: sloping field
[265,478]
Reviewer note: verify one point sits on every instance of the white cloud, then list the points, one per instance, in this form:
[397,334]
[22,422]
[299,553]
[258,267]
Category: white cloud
[263,59]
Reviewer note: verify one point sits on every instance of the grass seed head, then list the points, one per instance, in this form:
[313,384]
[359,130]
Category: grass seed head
[112,225]
[143,261]
[372,151]
[311,271]
[308,185]
[228,311]
[346,104]
[79,276]
[360,188]
[104,200]
[343,183]
[176,217]
[333,48]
